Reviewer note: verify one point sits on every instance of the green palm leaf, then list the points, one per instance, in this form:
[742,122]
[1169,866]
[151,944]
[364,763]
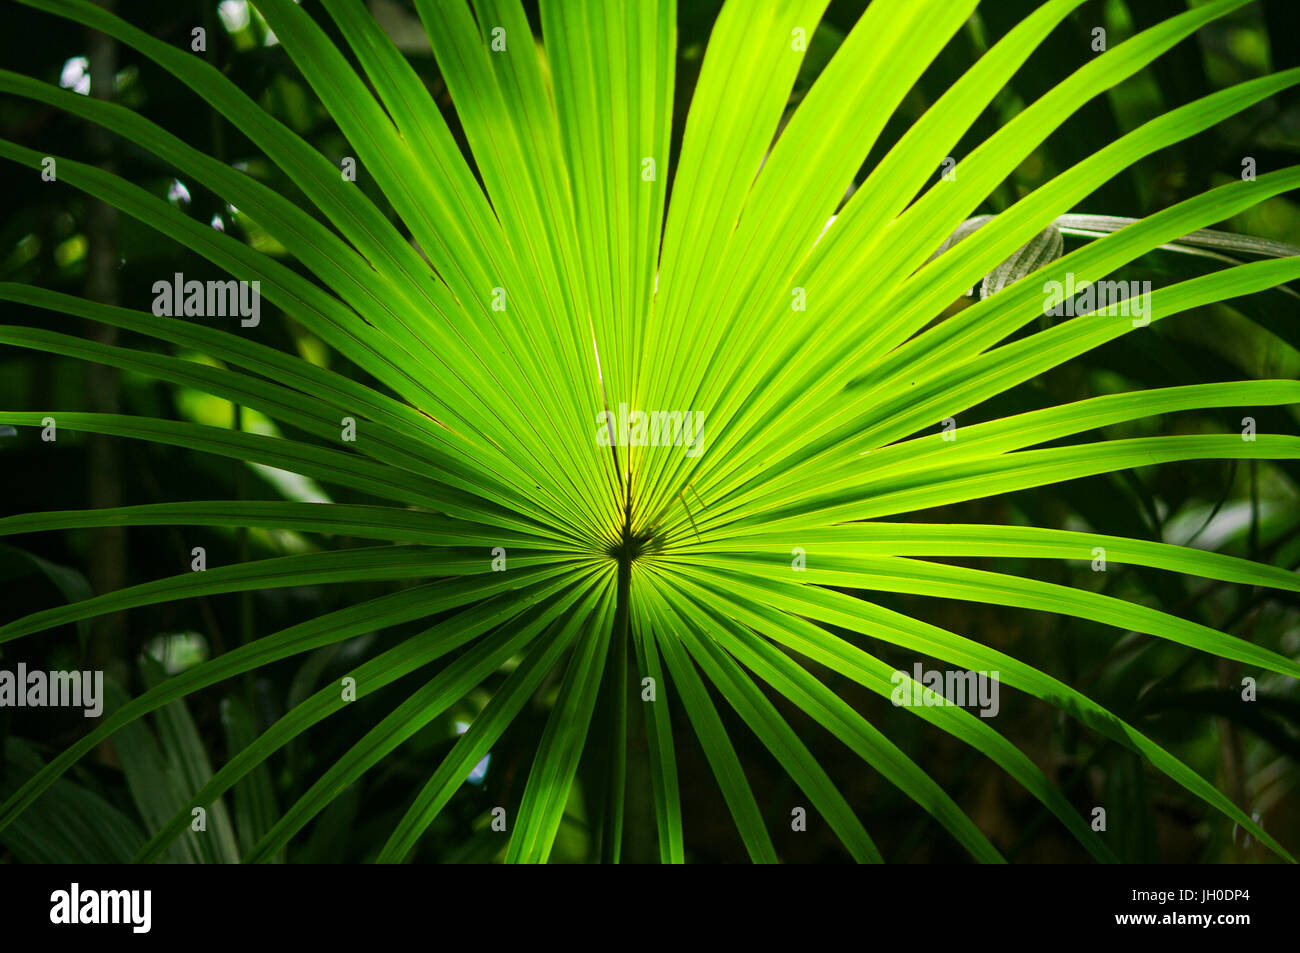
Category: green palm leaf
[499,300]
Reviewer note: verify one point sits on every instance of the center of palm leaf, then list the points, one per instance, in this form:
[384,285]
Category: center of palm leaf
[630,545]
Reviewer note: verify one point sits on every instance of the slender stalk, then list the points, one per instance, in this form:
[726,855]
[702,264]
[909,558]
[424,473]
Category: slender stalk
[614,688]
[611,840]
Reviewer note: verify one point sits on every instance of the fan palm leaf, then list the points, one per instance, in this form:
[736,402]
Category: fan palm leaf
[501,301]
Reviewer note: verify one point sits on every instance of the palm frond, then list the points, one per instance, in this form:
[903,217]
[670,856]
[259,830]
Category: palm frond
[500,301]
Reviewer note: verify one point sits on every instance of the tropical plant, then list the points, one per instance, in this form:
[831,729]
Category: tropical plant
[510,307]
